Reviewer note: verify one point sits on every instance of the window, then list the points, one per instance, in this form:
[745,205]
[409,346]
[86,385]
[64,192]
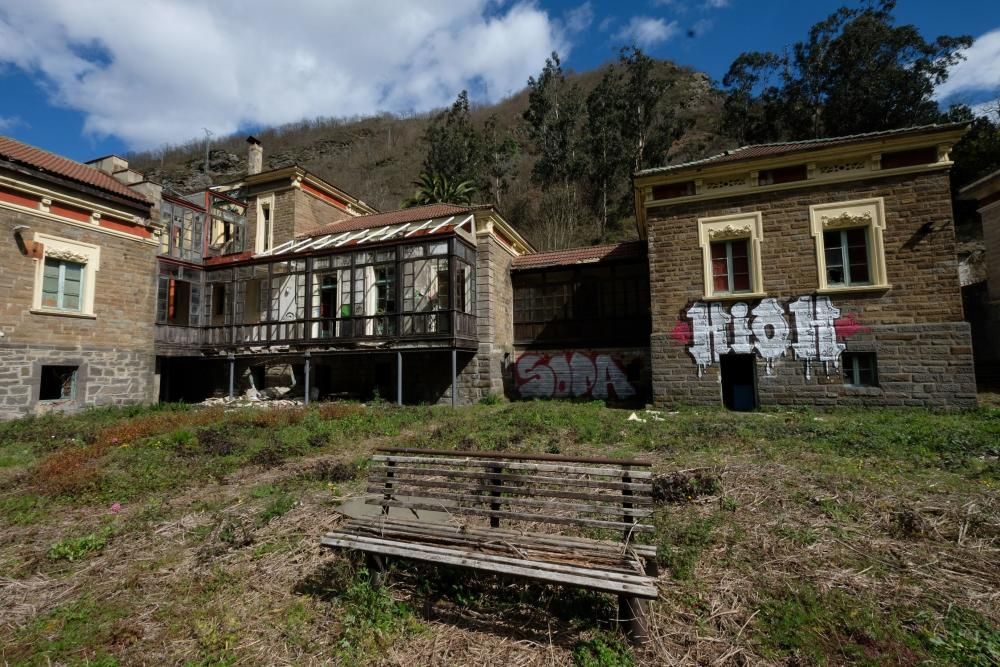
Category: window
[264,236]
[65,277]
[849,248]
[731,253]
[58,383]
[62,284]
[847,257]
[860,369]
[730,266]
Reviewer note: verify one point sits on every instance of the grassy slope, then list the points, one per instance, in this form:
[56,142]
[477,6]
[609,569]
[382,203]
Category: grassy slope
[845,536]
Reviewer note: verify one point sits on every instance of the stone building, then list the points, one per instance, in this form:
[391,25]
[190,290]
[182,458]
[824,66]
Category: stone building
[77,294]
[819,272]
[985,317]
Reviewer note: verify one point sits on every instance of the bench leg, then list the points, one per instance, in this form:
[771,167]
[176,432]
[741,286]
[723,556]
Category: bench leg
[633,615]
[376,568]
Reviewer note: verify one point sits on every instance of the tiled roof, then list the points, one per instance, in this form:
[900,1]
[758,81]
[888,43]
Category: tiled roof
[403,215]
[588,255]
[36,158]
[788,147]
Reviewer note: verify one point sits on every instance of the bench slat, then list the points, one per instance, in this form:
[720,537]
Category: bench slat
[534,491]
[515,456]
[417,476]
[611,510]
[647,551]
[519,516]
[640,586]
[538,467]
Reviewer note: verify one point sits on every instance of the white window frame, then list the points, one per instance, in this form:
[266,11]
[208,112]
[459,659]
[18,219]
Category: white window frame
[262,242]
[736,227]
[868,214]
[87,254]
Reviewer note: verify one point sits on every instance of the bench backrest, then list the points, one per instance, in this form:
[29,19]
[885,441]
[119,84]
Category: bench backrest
[594,493]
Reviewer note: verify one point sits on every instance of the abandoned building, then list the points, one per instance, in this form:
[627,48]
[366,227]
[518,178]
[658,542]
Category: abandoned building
[820,272]
[983,304]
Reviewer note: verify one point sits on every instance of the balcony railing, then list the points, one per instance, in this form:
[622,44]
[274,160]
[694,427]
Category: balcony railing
[442,324]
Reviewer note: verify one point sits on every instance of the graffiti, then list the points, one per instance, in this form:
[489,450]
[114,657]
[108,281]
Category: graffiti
[571,375]
[813,334]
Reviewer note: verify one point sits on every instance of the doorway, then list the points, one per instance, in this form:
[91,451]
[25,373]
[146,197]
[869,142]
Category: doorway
[739,381]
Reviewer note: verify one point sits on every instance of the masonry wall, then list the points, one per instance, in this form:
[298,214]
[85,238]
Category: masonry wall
[616,375]
[295,213]
[114,350]
[494,305]
[915,327]
[988,354]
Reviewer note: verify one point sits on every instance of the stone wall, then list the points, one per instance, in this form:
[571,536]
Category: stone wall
[114,347]
[494,305]
[915,326]
[616,375]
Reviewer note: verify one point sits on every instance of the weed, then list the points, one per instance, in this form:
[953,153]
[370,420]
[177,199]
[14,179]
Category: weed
[277,506]
[333,471]
[76,633]
[370,617]
[680,487]
[73,549]
[964,638]
[603,650]
[24,509]
[491,399]
[681,544]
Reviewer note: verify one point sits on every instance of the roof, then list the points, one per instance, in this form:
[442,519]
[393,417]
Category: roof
[403,215]
[377,231]
[41,160]
[790,147]
[982,187]
[589,255]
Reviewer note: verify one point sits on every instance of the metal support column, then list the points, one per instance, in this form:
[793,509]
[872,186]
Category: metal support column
[454,377]
[232,375]
[399,378]
[306,377]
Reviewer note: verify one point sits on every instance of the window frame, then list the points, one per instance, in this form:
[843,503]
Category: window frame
[74,383]
[867,214]
[736,227]
[59,249]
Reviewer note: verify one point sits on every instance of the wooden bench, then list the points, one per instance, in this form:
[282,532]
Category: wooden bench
[446,507]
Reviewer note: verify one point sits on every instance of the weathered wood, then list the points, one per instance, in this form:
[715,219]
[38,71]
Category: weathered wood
[495,502]
[633,614]
[646,551]
[640,586]
[637,487]
[510,456]
[537,467]
[508,489]
[518,516]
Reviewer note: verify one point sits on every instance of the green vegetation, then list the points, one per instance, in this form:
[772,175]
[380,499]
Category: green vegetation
[845,536]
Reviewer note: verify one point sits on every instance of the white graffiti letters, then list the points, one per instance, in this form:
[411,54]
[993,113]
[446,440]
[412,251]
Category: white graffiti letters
[766,330]
[575,374]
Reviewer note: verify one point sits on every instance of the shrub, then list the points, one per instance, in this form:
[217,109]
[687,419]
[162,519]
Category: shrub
[604,650]
[73,549]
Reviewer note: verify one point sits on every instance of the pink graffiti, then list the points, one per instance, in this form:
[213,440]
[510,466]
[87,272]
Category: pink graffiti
[571,375]
[848,325]
[682,333]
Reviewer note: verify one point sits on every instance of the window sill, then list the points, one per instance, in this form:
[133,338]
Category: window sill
[854,289]
[742,296]
[63,313]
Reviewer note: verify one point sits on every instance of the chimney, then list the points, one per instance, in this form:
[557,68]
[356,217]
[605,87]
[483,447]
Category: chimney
[255,156]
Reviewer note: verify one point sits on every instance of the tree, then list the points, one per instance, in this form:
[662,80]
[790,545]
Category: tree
[454,148]
[647,122]
[501,151]
[856,72]
[438,189]
[608,157]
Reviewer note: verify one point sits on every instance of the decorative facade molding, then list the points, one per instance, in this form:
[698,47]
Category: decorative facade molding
[68,255]
[845,220]
[730,232]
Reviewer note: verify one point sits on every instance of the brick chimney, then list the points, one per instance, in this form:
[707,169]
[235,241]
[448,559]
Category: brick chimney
[255,156]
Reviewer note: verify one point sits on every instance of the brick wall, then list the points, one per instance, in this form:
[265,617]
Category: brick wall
[494,303]
[113,349]
[922,306]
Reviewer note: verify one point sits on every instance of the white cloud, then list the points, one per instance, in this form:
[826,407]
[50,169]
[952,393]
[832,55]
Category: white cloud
[646,31]
[160,70]
[990,109]
[8,122]
[980,71]
[716,4]
[580,18]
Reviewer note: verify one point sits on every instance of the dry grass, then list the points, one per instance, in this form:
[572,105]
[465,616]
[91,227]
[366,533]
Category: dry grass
[797,556]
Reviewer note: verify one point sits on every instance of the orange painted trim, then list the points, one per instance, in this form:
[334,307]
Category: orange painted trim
[14,197]
[69,212]
[127,228]
[318,194]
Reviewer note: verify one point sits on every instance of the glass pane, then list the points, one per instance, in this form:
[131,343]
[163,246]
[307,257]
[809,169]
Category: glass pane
[721,283]
[741,282]
[718,251]
[740,248]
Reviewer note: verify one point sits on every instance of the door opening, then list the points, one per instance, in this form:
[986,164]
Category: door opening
[739,381]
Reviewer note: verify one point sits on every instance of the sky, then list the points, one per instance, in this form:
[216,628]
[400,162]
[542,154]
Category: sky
[86,79]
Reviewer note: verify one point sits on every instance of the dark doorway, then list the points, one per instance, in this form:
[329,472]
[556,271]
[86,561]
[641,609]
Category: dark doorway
[739,381]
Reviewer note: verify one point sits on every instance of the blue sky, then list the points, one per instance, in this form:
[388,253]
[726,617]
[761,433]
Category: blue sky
[87,79]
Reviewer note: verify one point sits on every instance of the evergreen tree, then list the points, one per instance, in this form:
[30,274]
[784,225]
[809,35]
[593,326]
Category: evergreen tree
[454,147]
[608,155]
[500,151]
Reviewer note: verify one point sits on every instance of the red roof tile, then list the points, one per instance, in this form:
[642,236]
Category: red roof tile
[589,255]
[775,149]
[403,215]
[36,158]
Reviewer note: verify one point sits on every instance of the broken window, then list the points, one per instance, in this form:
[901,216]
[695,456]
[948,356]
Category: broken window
[846,257]
[182,237]
[860,369]
[58,383]
[227,228]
